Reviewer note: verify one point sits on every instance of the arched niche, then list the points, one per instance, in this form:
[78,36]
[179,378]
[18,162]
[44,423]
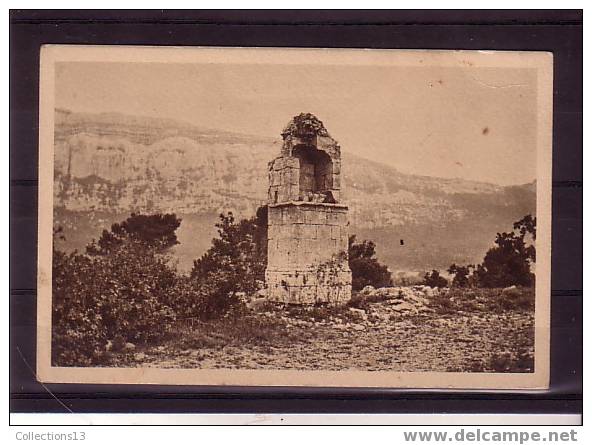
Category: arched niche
[316,170]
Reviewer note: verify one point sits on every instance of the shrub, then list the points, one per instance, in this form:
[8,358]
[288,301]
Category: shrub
[239,253]
[434,279]
[217,295]
[508,262]
[461,275]
[121,295]
[77,335]
[366,270]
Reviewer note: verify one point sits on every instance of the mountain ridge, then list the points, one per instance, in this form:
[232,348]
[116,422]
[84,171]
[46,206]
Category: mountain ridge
[110,163]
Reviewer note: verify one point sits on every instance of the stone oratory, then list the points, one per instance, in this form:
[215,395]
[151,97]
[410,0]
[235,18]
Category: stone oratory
[308,225]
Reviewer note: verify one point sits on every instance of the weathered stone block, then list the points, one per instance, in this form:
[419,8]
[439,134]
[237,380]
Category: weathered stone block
[324,234]
[274,217]
[279,163]
[335,232]
[336,182]
[292,162]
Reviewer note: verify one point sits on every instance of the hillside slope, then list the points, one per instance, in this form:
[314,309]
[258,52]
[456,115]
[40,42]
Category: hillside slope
[108,165]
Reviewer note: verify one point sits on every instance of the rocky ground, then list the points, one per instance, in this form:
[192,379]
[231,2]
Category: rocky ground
[394,329]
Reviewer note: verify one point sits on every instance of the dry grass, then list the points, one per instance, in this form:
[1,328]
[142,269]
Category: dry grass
[249,329]
[483,300]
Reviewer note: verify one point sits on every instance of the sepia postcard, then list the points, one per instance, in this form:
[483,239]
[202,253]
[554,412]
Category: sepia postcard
[294,217]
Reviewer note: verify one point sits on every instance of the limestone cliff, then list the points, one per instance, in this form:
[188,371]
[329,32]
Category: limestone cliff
[116,164]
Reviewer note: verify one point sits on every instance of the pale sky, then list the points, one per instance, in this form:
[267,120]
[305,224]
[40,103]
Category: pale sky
[463,122]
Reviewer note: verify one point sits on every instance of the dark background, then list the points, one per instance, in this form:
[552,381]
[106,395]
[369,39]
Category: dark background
[557,31]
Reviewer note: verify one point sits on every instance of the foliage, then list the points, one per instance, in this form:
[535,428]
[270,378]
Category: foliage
[366,270]
[508,262]
[120,296]
[433,279]
[526,226]
[216,294]
[461,275]
[154,231]
[235,263]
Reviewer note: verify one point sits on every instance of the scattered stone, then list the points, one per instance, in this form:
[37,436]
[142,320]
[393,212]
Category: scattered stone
[358,327]
[368,289]
[358,313]
[257,304]
[139,356]
[511,291]
[128,347]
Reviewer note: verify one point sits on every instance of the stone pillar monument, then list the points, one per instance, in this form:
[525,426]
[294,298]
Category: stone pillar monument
[308,227]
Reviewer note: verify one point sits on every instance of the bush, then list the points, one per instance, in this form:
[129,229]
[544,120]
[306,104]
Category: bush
[461,275]
[122,295]
[366,270]
[235,263]
[240,250]
[77,336]
[508,262]
[216,296]
[434,279]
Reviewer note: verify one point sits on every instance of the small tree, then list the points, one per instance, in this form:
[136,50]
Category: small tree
[154,231]
[434,279]
[366,270]
[123,294]
[526,226]
[236,261]
[508,262]
[461,275]
[122,289]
